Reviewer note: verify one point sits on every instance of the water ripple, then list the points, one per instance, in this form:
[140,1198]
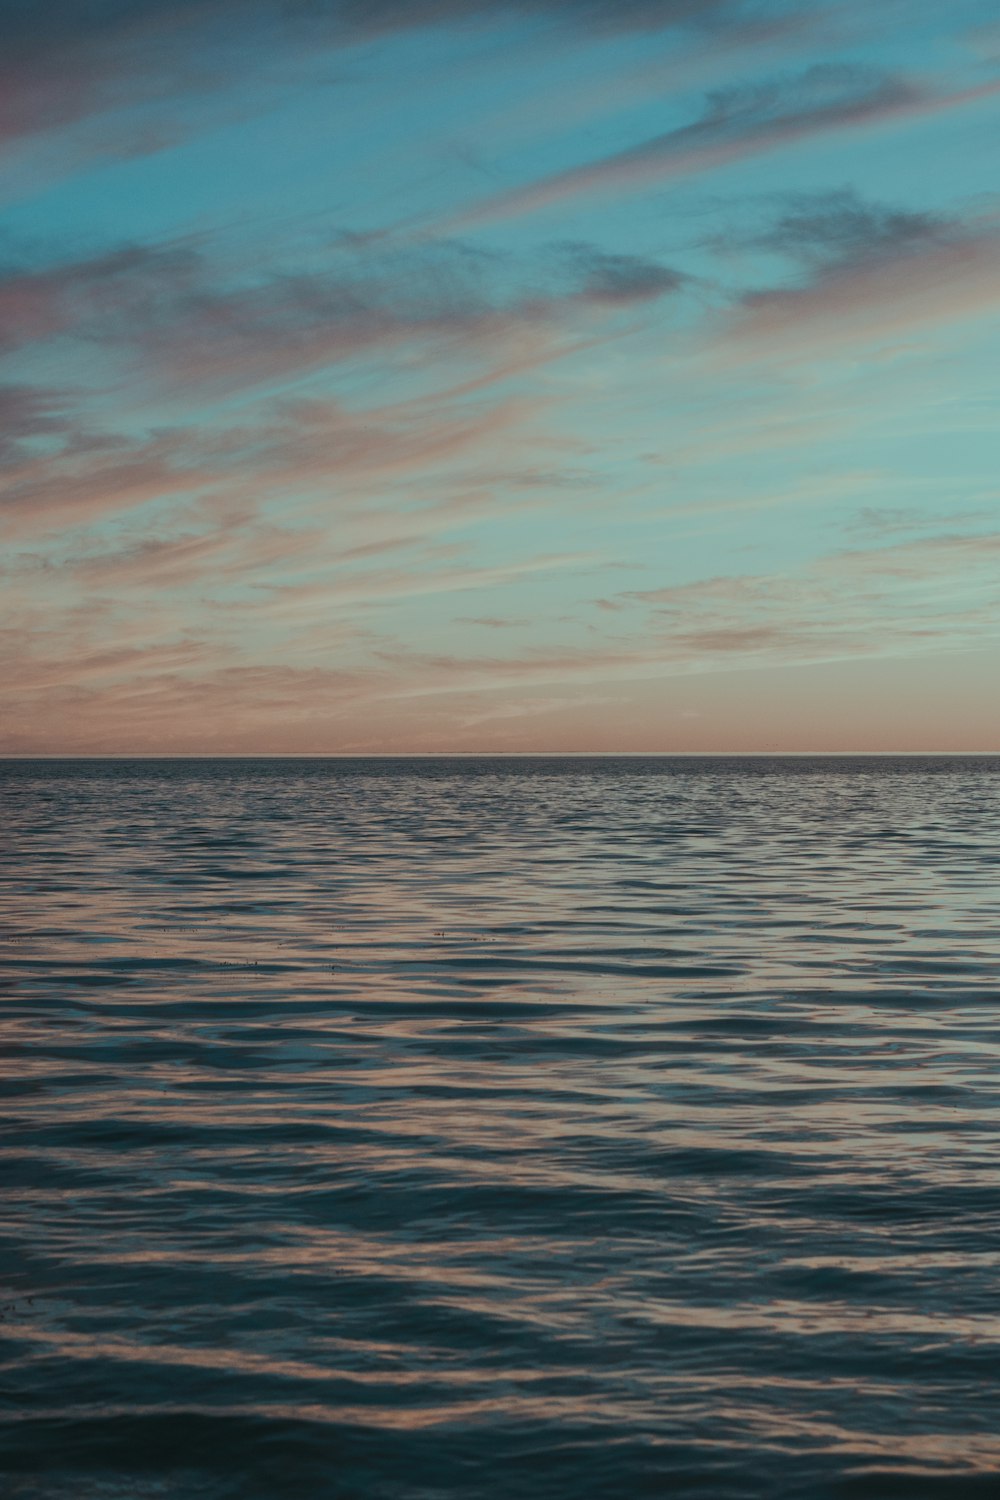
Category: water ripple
[500,1129]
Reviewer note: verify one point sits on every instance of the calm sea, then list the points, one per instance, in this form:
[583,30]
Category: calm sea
[500,1129]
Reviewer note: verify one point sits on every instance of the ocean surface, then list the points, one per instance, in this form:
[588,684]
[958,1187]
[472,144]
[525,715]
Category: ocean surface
[500,1129]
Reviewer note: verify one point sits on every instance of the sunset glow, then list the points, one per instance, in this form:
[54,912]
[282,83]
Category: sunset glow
[512,375]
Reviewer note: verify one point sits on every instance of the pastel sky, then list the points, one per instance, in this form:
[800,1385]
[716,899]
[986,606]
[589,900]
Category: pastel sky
[499,375]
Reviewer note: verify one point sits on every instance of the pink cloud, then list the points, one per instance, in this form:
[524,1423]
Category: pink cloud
[736,124]
[294,447]
[46,493]
[865,299]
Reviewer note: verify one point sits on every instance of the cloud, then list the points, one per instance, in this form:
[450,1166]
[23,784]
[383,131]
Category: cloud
[289,448]
[139,701]
[882,600]
[307,443]
[65,61]
[937,593]
[869,272]
[946,555]
[437,296]
[166,315]
[36,671]
[737,123]
[67,490]
[490,622]
[98,297]
[843,226]
[176,317]
[337,590]
[27,412]
[602,15]
[874,521]
[70,680]
[239,550]
[619,279]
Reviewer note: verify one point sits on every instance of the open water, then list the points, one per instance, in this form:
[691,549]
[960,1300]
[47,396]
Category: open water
[500,1130]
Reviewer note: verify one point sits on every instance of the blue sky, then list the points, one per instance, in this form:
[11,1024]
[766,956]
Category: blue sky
[556,375]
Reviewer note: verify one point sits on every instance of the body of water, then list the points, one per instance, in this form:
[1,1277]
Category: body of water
[500,1129]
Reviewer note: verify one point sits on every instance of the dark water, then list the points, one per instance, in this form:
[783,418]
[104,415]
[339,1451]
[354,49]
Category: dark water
[500,1130]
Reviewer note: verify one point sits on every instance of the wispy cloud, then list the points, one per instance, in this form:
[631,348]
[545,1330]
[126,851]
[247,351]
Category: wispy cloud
[843,226]
[290,448]
[70,489]
[489,622]
[868,271]
[880,600]
[174,317]
[737,123]
[65,62]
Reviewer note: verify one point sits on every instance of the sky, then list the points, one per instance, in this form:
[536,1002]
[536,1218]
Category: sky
[423,376]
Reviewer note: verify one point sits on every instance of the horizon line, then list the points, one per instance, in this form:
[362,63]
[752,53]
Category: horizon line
[478,754]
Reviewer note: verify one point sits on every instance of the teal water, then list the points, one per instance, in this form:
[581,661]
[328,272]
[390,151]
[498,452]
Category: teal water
[416,1130]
